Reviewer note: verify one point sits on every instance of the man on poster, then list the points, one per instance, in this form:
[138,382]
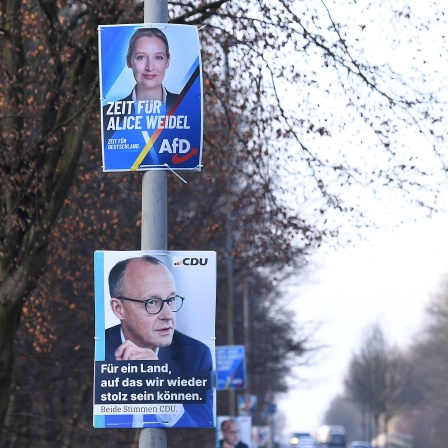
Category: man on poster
[230,432]
[144,299]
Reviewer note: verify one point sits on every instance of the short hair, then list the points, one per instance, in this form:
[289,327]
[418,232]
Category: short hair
[224,423]
[116,274]
[146,32]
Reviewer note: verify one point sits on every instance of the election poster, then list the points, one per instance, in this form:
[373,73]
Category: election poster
[154,339]
[261,437]
[230,367]
[247,404]
[233,431]
[151,97]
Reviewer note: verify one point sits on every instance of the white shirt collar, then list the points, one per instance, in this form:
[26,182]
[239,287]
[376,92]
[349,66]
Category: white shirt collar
[134,97]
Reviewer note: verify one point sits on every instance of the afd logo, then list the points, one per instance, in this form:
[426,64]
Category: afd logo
[177,261]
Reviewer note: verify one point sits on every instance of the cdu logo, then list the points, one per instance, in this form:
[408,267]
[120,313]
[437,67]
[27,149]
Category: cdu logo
[178,261]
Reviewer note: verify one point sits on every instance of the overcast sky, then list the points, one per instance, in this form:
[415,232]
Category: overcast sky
[392,275]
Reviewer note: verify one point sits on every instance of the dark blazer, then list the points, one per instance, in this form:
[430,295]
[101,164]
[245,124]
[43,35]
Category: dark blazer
[239,445]
[187,357]
[170,99]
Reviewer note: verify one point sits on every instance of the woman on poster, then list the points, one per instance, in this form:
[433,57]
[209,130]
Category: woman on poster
[148,57]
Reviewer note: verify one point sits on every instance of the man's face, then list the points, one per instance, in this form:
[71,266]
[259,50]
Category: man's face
[142,281]
[231,433]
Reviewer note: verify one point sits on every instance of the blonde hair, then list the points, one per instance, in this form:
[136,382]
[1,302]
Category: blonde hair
[146,32]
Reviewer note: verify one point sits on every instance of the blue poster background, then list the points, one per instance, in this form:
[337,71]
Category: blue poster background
[156,138]
[145,394]
[230,367]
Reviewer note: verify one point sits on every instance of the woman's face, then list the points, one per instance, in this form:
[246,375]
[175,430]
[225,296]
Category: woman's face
[149,62]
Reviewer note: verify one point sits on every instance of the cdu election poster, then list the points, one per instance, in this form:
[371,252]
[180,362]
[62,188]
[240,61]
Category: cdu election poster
[154,339]
[233,431]
[151,97]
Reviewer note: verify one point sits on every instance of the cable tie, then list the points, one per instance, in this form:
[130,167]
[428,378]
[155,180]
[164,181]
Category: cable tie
[174,172]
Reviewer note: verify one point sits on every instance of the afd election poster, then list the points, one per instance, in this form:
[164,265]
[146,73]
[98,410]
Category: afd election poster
[154,339]
[230,367]
[151,97]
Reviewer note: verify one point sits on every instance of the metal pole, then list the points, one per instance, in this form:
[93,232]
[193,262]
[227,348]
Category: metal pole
[154,210]
[246,326]
[154,214]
